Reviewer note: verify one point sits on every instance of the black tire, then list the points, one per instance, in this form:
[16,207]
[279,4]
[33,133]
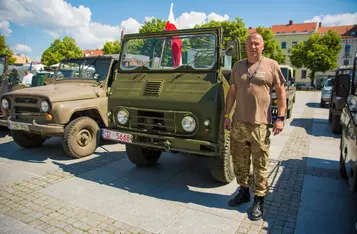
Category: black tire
[329,116]
[352,179]
[142,157]
[322,104]
[342,168]
[336,124]
[81,137]
[27,139]
[289,113]
[221,167]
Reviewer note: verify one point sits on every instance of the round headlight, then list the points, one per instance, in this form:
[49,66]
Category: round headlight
[188,124]
[273,95]
[122,117]
[5,103]
[45,106]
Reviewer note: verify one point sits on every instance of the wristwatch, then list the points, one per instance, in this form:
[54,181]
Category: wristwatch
[282,118]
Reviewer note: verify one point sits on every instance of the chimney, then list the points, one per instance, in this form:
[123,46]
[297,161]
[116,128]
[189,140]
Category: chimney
[290,22]
[320,24]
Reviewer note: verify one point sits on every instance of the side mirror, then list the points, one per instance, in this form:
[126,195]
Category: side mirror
[343,84]
[292,80]
[231,48]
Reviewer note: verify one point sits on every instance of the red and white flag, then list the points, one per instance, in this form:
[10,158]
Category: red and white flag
[176,41]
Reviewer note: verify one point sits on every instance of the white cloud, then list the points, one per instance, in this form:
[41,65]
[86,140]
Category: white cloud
[216,17]
[20,48]
[191,19]
[149,18]
[335,20]
[58,18]
[5,28]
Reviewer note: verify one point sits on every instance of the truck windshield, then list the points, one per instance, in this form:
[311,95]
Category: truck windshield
[165,53]
[89,69]
[2,65]
[285,72]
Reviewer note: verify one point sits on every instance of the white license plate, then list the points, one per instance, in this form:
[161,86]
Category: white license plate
[18,126]
[117,136]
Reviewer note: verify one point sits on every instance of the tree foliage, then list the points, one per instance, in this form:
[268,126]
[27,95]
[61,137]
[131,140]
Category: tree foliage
[5,49]
[60,50]
[111,47]
[271,46]
[155,25]
[319,53]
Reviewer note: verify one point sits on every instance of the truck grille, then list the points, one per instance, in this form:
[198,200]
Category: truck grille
[156,122]
[153,88]
[26,100]
[25,106]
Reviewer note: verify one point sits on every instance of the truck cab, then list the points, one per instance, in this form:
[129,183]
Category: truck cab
[348,143]
[169,95]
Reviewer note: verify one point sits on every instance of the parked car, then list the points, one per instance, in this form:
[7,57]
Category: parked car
[326,92]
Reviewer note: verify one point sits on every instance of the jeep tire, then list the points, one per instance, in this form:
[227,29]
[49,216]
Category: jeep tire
[336,124]
[221,166]
[141,156]
[27,139]
[81,137]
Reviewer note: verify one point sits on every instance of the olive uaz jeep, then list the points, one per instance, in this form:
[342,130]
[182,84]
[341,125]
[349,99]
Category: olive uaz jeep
[74,107]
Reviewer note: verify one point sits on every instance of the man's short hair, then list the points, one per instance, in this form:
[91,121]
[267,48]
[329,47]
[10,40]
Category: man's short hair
[256,34]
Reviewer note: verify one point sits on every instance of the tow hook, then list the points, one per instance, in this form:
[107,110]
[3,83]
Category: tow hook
[167,145]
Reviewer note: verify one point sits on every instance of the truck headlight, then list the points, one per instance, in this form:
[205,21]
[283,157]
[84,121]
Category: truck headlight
[188,124]
[5,103]
[45,106]
[123,116]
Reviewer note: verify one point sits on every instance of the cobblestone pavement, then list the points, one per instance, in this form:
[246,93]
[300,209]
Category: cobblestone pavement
[44,191]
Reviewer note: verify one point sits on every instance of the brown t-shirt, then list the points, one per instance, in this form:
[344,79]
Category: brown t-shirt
[253,97]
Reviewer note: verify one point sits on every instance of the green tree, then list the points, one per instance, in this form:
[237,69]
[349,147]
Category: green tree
[319,53]
[155,25]
[271,46]
[5,49]
[60,50]
[231,28]
[111,47]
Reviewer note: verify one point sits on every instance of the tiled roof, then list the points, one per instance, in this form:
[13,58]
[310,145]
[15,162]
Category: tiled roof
[93,52]
[295,28]
[343,31]
[252,30]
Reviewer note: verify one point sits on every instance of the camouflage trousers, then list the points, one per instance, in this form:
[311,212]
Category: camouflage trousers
[250,143]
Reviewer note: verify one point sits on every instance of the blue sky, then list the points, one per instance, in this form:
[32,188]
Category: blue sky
[31,25]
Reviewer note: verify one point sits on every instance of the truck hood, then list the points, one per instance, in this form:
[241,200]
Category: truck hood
[62,92]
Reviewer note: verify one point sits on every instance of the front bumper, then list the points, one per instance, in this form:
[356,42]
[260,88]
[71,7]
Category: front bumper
[326,98]
[3,121]
[35,127]
[165,143]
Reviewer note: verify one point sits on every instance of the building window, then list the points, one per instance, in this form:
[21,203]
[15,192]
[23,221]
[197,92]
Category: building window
[303,74]
[283,45]
[294,43]
[347,51]
[346,62]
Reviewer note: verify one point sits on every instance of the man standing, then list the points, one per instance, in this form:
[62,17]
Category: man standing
[27,79]
[251,82]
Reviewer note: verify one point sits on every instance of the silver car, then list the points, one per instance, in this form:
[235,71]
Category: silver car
[326,93]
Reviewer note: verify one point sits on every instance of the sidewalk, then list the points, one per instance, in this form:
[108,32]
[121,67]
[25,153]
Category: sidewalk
[106,193]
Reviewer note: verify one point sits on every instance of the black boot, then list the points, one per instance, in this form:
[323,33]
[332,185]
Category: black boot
[242,196]
[257,208]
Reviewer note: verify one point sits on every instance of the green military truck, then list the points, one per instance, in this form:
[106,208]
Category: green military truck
[73,107]
[169,95]
[348,143]
[338,99]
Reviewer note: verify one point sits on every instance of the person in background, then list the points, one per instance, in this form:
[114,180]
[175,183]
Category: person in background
[27,79]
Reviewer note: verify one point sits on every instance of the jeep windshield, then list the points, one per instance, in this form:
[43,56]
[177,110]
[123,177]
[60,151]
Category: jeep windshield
[171,52]
[83,69]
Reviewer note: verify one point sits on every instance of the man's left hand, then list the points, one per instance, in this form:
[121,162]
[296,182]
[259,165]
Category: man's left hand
[278,126]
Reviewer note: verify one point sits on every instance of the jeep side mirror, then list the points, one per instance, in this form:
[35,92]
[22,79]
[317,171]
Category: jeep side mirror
[292,79]
[343,84]
[231,48]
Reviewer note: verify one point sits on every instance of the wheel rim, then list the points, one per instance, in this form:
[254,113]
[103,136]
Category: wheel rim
[84,138]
